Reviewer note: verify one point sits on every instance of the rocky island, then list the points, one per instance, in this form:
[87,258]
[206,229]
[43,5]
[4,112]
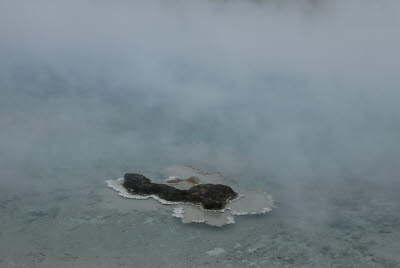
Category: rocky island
[210,196]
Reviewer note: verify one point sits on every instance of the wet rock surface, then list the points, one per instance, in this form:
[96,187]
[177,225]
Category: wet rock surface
[210,196]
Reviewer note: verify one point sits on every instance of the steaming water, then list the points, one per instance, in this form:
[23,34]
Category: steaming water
[302,104]
[57,212]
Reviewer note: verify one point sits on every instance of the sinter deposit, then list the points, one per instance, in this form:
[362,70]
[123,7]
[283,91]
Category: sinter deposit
[201,197]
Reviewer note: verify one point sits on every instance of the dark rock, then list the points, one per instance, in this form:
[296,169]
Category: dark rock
[210,196]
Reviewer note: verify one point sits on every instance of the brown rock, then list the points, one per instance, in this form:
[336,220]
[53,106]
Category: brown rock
[193,180]
[210,196]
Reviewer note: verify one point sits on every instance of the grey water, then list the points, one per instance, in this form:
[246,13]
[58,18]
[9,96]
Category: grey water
[297,98]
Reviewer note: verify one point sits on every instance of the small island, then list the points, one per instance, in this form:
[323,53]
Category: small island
[209,196]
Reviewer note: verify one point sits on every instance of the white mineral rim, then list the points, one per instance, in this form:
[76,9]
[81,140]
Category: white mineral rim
[178,212]
[247,203]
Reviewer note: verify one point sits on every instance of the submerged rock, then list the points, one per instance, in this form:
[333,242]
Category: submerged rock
[193,180]
[210,196]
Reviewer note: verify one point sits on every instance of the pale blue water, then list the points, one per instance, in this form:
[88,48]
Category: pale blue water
[56,210]
[297,100]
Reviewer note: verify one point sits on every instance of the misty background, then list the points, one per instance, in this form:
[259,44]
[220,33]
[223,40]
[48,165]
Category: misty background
[300,98]
[296,91]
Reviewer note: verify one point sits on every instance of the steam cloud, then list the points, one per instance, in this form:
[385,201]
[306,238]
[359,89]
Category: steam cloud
[294,91]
